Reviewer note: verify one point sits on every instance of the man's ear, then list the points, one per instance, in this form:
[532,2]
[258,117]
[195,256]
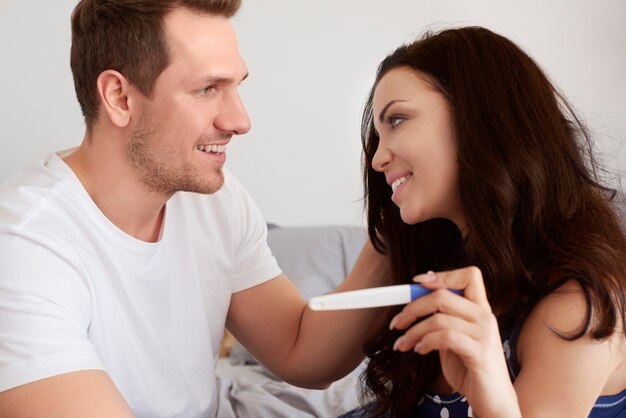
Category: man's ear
[113,89]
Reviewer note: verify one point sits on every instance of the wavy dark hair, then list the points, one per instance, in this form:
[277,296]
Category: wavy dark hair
[536,212]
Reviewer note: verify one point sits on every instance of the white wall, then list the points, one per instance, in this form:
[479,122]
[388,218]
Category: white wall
[311,65]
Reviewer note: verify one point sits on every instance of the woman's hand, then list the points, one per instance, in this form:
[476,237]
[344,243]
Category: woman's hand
[465,332]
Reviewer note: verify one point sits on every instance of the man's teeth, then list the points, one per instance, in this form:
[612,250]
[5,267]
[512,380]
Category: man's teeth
[212,148]
[398,182]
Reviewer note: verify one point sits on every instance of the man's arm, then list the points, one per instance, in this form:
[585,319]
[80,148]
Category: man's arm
[303,347]
[82,394]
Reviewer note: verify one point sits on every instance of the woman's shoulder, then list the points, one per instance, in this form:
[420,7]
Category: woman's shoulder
[555,342]
[564,310]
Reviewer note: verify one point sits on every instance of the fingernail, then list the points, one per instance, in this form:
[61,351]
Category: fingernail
[430,276]
[398,343]
[392,324]
[418,347]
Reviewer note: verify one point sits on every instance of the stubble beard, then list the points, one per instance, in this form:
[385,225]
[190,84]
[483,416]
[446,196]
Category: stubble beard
[158,175]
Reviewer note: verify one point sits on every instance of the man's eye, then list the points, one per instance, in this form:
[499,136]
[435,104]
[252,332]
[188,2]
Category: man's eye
[205,91]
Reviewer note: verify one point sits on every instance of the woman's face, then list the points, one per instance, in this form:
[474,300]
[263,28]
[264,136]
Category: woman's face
[417,148]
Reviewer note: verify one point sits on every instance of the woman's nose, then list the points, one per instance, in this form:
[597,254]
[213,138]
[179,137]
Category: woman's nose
[381,158]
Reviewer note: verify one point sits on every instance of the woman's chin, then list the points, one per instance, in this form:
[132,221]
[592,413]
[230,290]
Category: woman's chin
[411,218]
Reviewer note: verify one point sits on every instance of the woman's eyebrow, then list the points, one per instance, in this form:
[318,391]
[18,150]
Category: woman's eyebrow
[381,115]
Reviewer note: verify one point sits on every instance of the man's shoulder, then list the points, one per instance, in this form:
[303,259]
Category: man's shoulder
[32,191]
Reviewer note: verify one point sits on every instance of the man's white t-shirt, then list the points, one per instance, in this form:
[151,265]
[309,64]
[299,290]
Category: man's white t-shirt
[78,293]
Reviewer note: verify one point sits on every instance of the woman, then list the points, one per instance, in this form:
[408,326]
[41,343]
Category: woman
[476,168]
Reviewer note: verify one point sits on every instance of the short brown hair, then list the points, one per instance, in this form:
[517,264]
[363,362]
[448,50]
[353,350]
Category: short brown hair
[126,36]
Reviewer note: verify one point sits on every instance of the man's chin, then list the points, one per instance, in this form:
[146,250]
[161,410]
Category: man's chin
[196,185]
[212,189]
[208,187]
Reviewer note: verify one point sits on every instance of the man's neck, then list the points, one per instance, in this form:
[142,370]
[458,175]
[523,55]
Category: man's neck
[112,183]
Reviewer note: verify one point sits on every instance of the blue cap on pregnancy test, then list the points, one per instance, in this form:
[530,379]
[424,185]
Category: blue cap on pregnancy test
[417,291]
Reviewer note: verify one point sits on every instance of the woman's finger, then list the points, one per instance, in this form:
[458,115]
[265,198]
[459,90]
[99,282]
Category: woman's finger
[436,323]
[467,279]
[457,342]
[441,300]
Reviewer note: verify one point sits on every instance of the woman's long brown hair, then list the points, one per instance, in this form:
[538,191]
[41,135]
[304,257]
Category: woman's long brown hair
[531,195]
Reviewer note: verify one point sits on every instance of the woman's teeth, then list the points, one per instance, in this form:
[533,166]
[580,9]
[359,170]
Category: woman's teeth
[398,182]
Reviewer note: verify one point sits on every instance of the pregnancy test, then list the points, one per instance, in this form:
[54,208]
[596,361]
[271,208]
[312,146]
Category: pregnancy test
[371,298]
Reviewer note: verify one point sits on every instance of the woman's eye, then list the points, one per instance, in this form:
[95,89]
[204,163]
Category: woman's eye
[394,121]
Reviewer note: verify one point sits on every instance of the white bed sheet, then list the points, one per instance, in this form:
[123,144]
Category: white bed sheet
[250,391]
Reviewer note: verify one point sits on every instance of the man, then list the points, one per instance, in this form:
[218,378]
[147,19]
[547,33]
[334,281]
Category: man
[122,260]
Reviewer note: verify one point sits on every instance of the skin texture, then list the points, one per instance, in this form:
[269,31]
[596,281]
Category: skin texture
[414,123]
[195,102]
[143,149]
[559,378]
